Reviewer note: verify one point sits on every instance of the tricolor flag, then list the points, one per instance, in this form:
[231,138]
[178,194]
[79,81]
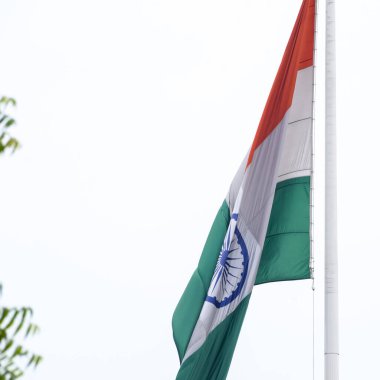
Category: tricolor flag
[262,231]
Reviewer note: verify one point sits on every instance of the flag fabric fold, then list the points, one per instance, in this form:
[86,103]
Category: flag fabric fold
[262,231]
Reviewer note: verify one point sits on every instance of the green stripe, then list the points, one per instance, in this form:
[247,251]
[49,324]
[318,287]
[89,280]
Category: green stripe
[286,252]
[212,361]
[285,256]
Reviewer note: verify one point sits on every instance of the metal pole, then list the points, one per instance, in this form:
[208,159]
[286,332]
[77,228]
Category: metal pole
[331,251]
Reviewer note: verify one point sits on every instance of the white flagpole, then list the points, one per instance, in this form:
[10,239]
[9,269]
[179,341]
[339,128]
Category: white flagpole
[331,252]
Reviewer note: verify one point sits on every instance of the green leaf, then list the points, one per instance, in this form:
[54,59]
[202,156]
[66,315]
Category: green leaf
[4,313]
[12,144]
[29,330]
[9,123]
[12,320]
[31,360]
[18,352]
[38,361]
[32,330]
[3,334]
[7,346]
[25,312]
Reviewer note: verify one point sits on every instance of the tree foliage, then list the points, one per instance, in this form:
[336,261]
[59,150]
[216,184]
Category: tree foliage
[7,142]
[16,325]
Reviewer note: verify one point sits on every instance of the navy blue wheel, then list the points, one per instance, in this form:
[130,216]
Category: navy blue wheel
[230,272]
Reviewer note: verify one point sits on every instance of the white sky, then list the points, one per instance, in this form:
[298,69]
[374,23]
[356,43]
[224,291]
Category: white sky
[134,116]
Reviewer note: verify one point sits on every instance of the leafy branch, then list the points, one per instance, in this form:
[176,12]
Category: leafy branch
[7,142]
[16,324]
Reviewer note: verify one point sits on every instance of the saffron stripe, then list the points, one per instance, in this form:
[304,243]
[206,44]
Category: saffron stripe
[298,55]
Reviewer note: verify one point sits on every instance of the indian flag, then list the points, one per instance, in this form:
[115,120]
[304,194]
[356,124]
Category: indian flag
[262,231]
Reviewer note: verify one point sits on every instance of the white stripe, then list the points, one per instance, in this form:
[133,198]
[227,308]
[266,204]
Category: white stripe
[302,103]
[296,157]
[236,184]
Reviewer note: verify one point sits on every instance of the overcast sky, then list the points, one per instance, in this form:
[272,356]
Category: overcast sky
[133,117]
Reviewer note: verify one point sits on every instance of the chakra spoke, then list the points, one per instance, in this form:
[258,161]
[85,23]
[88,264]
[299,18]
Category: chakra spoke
[231,266]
